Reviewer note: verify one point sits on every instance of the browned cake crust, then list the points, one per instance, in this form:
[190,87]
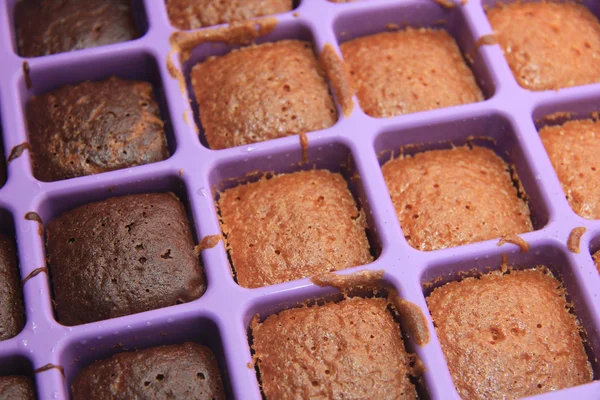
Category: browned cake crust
[262,92]
[597,260]
[16,388]
[446,198]
[12,314]
[407,71]
[573,149]
[195,14]
[121,256]
[181,371]
[509,336]
[292,226]
[548,45]
[95,127]
[351,349]
[49,26]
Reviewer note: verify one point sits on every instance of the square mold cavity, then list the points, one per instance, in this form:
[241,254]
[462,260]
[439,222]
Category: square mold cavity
[80,351]
[263,307]
[130,65]
[493,131]
[332,156]
[137,6]
[284,30]
[543,252]
[417,14]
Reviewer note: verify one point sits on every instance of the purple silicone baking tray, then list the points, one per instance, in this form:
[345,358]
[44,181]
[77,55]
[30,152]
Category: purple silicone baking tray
[356,146]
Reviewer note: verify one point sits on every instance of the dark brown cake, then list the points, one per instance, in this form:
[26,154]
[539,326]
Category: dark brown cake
[121,256]
[181,371]
[509,335]
[351,349]
[16,387]
[194,14]
[2,166]
[95,127]
[12,317]
[49,26]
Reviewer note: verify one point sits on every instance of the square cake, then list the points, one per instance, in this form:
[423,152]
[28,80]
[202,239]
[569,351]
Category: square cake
[292,226]
[48,26]
[121,256]
[395,73]
[17,387]
[548,44]
[573,148]
[94,127]
[12,312]
[509,335]
[195,14]
[447,198]
[262,92]
[351,349]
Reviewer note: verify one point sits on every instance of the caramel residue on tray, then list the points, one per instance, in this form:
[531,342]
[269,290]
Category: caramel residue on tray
[486,40]
[26,71]
[250,365]
[516,240]
[180,171]
[575,239]
[446,3]
[49,367]
[463,2]
[392,27]
[304,145]
[412,316]
[554,117]
[208,242]
[34,273]
[33,216]
[418,367]
[339,77]
[351,281]
[17,151]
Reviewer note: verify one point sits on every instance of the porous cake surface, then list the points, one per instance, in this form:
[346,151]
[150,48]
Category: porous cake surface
[407,71]
[262,92]
[183,371]
[548,45]
[352,349]
[292,226]
[16,387]
[48,26]
[12,317]
[509,335]
[121,256]
[446,198]
[95,127]
[573,148]
[195,14]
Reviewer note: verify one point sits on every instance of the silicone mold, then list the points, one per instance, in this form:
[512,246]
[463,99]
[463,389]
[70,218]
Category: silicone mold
[357,146]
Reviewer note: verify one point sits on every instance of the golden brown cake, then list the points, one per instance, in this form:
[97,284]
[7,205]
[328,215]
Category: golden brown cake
[351,349]
[262,92]
[548,45]
[573,148]
[292,226]
[597,260]
[446,198]
[195,14]
[402,72]
[509,335]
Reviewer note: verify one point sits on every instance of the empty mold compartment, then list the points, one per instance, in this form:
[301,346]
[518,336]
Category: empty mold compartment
[334,341]
[152,236]
[126,20]
[258,92]
[431,72]
[54,93]
[84,348]
[489,142]
[513,310]
[319,206]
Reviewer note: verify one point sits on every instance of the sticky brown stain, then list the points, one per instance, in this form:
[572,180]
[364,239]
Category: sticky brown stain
[34,273]
[208,242]
[418,367]
[250,365]
[339,78]
[17,151]
[516,240]
[26,71]
[464,2]
[575,239]
[392,27]
[445,3]
[412,317]
[304,145]
[180,171]
[296,14]
[33,216]
[49,367]
[346,282]
[486,40]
